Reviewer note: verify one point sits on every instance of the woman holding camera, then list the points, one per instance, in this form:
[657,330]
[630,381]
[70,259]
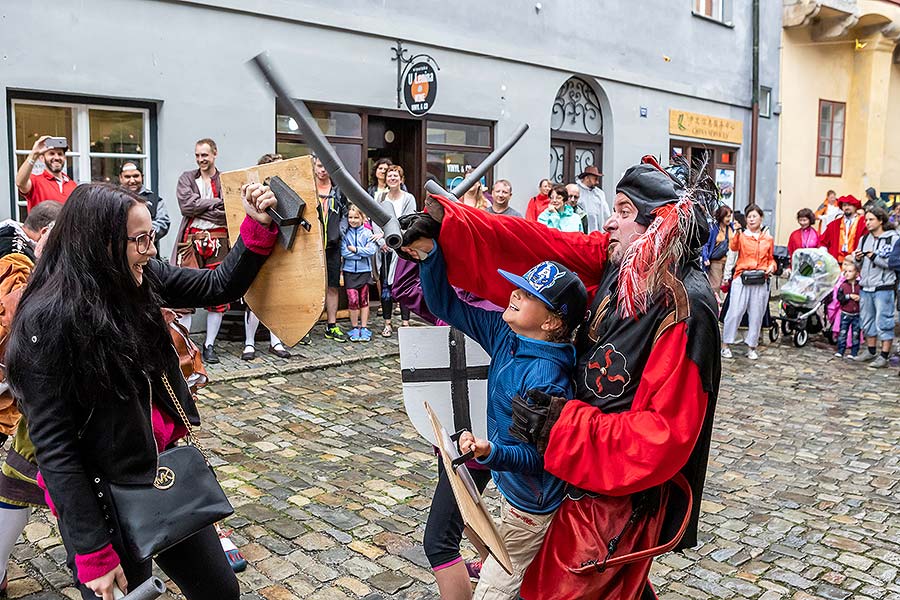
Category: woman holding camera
[749,292]
[92,364]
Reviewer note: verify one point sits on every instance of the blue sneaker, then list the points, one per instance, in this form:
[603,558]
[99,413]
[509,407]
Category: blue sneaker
[365,335]
[354,334]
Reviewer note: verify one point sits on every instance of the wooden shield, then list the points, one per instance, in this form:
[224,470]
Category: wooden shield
[449,370]
[289,292]
[480,528]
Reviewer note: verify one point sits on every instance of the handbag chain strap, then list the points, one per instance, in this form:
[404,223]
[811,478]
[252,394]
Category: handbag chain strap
[193,438]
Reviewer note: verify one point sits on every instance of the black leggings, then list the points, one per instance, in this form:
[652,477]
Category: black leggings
[444,529]
[387,302]
[387,310]
[197,565]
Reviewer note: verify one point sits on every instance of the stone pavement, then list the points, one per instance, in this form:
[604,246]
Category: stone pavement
[320,354]
[331,485]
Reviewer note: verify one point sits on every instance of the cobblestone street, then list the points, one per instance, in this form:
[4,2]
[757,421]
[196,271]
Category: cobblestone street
[331,484]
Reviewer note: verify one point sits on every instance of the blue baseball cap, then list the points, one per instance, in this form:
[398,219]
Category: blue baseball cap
[556,286]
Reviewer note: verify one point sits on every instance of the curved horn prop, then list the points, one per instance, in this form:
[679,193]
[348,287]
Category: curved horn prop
[433,187]
[324,151]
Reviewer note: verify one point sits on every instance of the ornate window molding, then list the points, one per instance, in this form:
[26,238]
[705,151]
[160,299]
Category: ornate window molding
[576,109]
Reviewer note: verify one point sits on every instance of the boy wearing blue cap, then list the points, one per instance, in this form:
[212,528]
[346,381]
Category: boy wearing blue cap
[530,348]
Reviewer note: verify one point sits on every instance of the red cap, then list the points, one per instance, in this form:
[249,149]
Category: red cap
[851,200]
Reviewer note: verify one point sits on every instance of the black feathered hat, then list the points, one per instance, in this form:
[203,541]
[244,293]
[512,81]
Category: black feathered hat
[648,188]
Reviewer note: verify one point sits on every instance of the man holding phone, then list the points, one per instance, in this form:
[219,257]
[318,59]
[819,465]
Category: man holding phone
[52,183]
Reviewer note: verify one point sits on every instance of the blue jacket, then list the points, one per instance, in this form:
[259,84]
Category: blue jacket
[565,220]
[518,364]
[707,249]
[894,258]
[361,260]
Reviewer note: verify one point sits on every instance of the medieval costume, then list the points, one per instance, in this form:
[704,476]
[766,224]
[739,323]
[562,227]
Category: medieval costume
[843,234]
[634,442]
[203,236]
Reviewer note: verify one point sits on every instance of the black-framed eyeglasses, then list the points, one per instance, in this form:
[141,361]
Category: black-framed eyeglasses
[143,241]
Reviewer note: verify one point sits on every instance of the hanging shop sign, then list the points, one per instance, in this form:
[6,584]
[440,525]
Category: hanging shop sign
[419,88]
[705,127]
[417,80]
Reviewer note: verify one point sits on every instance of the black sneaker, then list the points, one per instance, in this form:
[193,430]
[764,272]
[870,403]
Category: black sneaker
[210,356]
[279,350]
[306,341]
[335,333]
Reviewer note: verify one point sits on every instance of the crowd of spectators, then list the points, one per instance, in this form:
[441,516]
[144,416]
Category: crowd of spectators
[860,236]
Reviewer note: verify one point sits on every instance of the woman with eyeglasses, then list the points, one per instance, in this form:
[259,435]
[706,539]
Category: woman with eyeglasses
[88,359]
[559,214]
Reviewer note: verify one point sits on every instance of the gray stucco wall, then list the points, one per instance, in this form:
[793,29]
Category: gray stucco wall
[189,58]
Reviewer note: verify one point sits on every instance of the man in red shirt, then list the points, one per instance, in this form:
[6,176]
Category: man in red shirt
[52,183]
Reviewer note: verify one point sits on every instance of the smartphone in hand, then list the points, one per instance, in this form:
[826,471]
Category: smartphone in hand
[56,142]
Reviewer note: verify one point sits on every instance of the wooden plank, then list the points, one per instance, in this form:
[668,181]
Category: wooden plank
[289,292]
[480,528]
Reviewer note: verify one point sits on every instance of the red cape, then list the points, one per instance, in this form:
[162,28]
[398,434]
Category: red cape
[831,239]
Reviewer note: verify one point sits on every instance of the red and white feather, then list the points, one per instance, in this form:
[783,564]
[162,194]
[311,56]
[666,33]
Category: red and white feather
[657,251]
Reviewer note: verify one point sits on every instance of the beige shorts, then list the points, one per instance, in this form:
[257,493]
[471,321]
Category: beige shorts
[522,533]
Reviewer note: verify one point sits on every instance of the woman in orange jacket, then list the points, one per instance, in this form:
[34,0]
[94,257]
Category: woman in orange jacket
[750,288]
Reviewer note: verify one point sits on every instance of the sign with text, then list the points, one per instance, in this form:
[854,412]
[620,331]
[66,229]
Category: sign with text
[419,88]
[705,127]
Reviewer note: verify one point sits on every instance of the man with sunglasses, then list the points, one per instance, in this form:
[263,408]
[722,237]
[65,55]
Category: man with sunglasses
[132,179]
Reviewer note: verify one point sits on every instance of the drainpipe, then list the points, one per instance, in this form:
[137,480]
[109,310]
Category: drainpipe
[754,120]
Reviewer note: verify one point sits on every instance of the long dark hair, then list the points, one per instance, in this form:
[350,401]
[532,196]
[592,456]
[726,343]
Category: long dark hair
[82,323]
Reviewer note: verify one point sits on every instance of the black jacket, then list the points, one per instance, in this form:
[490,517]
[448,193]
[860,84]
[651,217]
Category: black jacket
[78,448]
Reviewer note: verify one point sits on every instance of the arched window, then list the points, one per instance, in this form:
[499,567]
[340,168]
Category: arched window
[576,131]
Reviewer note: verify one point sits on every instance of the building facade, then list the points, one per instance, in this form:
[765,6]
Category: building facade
[840,103]
[598,83]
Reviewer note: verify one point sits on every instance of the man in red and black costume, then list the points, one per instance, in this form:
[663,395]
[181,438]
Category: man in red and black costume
[842,235]
[634,442]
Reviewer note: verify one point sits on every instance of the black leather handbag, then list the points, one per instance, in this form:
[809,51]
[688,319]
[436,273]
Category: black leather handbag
[753,277]
[184,498]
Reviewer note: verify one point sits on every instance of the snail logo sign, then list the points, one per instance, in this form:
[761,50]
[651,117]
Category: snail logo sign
[419,88]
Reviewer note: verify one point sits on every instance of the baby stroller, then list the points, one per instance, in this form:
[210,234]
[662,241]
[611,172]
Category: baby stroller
[805,295]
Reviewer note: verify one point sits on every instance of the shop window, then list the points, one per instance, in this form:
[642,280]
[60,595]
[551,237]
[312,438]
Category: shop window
[331,122]
[450,166]
[342,128]
[830,147]
[458,134]
[720,163]
[100,137]
[717,10]
[455,147]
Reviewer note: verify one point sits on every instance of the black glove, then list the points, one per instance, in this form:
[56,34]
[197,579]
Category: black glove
[534,417]
[416,226]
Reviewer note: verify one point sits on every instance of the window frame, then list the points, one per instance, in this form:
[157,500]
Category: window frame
[570,141]
[82,155]
[819,138]
[460,148]
[363,140]
[725,9]
[765,92]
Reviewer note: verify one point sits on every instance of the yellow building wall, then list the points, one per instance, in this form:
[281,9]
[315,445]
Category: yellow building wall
[890,179]
[810,72]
